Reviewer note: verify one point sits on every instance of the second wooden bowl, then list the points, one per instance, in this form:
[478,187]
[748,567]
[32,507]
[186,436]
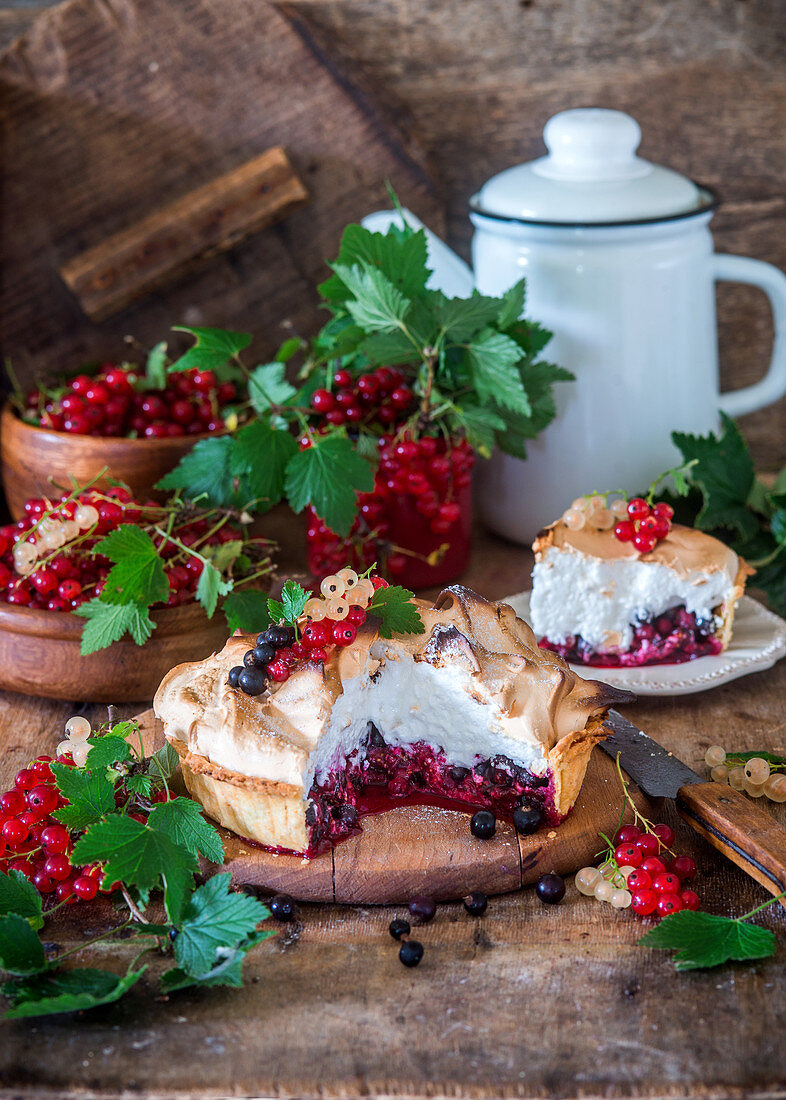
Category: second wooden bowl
[39,654]
[35,460]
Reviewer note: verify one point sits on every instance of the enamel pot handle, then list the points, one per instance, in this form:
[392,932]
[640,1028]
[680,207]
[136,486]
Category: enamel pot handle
[742,269]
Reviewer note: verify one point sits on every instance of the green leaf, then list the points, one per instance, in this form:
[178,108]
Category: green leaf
[19,896]
[289,348]
[268,386]
[401,257]
[122,729]
[213,348]
[290,607]
[480,424]
[377,305]
[90,794]
[105,751]
[164,763]
[246,609]
[20,948]
[511,306]
[140,855]
[206,473]
[140,784]
[328,476]
[397,614]
[224,555]
[539,379]
[67,991]
[182,821]
[724,472]
[461,318]
[109,622]
[155,370]
[493,360]
[703,940]
[138,574]
[210,587]
[213,918]
[228,968]
[260,457]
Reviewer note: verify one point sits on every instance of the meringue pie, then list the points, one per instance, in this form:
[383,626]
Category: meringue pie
[469,714]
[597,601]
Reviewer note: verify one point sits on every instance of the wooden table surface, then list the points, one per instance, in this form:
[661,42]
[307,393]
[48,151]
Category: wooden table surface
[530,1000]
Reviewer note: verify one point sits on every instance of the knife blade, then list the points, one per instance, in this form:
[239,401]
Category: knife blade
[730,821]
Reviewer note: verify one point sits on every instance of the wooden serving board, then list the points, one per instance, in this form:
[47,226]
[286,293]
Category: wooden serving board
[427,850]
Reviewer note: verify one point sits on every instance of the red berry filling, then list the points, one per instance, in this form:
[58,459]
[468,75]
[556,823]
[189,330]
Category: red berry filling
[672,638]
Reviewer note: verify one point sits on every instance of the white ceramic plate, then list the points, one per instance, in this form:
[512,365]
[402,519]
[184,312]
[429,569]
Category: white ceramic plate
[758,641]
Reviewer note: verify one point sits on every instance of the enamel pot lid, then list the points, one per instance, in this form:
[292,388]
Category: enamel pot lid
[591,177]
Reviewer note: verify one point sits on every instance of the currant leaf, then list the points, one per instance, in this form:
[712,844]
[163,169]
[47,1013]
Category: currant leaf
[105,751]
[267,385]
[66,991]
[210,586]
[205,473]
[213,348]
[493,360]
[164,763]
[246,610]
[155,368]
[377,305]
[402,258]
[19,896]
[328,476]
[396,613]
[138,574]
[214,918]
[20,948]
[260,456]
[107,623]
[182,821]
[724,473]
[511,305]
[290,607]
[90,794]
[703,940]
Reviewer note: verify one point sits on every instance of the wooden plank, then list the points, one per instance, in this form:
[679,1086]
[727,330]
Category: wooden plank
[528,1001]
[168,242]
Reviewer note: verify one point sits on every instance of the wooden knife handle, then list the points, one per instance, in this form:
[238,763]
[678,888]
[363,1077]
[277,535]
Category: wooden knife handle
[737,827]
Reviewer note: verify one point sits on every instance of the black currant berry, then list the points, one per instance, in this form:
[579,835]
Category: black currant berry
[279,636]
[550,889]
[527,819]
[250,659]
[458,774]
[282,907]
[252,680]
[173,934]
[399,928]
[263,652]
[411,952]
[483,825]
[476,903]
[422,908]
[234,675]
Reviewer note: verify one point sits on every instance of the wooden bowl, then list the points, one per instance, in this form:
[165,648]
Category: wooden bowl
[33,460]
[39,654]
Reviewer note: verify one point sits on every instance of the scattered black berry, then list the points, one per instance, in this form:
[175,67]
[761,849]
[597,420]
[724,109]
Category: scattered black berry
[527,819]
[411,952]
[399,928]
[476,903]
[234,674]
[173,934]
[550,888]
[422,908]
[282,907]
[252,680]
[458,774]
[483,825]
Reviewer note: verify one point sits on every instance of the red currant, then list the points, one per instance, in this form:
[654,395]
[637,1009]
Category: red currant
[401,398]
[57,867]
[643,902]
[684,868]
[628,855]
[322,401]
[278,670]
[638,508]
[356,616]
[342,378]
[690,899]
[12,803]
[628,834]
[644,542]
[648,845]
[665,833]
[315,635]
[638,879]
[666,883]
[65,890]
[15,832]
[203,381]
[344,634]
[669,903]
[85,887]
[625,530]
[55,840]
[42,800]
[664,510]
[318,655]
[43,883]
[25,779]
[654,866]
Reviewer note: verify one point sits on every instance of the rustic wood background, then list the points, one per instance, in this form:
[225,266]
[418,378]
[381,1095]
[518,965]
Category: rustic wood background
[472,82]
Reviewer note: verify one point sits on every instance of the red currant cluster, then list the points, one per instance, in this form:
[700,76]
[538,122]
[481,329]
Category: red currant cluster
[426,474]
[36,845]
[110,405]
[646,525]
[47,560]
[641,876]
[330,621]
[381,397]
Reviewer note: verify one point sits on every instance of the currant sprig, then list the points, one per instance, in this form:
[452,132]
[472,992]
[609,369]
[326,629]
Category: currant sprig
[757,773]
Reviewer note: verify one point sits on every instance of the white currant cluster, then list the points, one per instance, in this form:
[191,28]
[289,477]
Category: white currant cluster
[77,731]
[754,776]
[606,883]
[340,591]
[50,534]
[593,512]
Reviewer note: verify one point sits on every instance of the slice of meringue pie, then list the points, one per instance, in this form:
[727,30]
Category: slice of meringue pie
[467,714]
